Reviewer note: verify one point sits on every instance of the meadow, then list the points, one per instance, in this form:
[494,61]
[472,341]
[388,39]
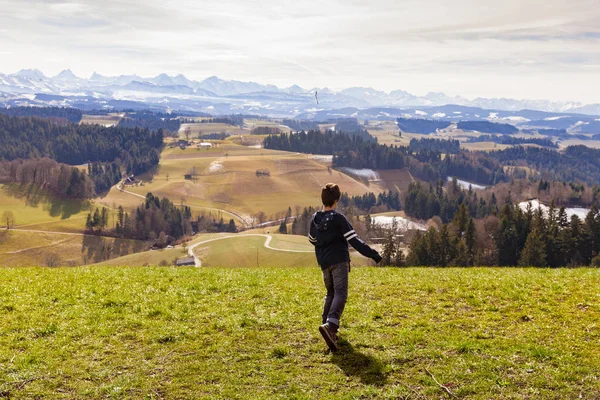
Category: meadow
[236,251]
[228,333]
[105,120]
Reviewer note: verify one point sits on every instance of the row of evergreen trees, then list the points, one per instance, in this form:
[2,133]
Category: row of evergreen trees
[424,201]
[147,222]
[447,146]
[390,200]
[67,114]
[104,175]
[155,219]
[511,140]
[151,120]
[315,142]
[520,237]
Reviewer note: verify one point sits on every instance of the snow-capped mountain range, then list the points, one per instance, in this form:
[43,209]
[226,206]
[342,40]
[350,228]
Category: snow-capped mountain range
[218,96]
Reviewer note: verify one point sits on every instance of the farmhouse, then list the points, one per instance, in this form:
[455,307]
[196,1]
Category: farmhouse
[130,181]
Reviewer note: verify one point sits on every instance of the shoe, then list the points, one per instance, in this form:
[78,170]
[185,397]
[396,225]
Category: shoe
[329,335]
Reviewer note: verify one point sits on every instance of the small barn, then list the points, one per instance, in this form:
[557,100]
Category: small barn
[186,261]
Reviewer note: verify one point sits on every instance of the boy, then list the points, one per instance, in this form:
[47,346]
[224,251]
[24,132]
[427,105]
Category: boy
[330,233]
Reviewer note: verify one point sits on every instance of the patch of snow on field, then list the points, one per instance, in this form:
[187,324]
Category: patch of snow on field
[322,158]
[439,115]
[517,119]
[215,166]
[535,204]
[555,118]
[363,173]
[422,113]
[403,224]
[465,184]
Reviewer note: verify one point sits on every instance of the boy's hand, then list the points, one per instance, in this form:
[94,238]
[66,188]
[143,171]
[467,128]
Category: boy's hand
[377,258]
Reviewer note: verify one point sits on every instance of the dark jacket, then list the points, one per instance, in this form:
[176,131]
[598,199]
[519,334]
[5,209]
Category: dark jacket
[330,233]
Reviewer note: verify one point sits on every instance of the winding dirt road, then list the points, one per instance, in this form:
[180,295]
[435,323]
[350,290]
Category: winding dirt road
[267,245]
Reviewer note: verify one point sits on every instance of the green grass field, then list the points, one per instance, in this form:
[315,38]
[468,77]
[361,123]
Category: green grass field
[237,251]
[35,209]
[121,333]
[34,248]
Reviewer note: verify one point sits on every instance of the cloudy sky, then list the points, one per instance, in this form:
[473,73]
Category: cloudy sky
[538,49]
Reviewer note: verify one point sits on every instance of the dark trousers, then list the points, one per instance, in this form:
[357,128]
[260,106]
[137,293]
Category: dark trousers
[336,282]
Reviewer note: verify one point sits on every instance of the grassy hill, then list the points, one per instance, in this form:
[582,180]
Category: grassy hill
[228,180]
[251,333]
[37,210]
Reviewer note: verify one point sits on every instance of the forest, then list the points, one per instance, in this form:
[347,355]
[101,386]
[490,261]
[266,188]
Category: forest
[487,127]
[59,179]
[511,140]
[349,125]
[574,164]
[438,145]
[266,130]
[386,201]
[136,150]
[422,126]
[315,142]
[65,113]
[156,219]
[104,175]
[423,201]
[513,237]
[354,152]
[235,120]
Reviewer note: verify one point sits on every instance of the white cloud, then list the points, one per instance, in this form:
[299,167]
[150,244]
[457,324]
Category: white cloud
[534,49]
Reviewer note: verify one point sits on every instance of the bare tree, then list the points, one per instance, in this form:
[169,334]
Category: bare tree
[8,218]
[261,217]
[167,177]
[52,260]
[187,132]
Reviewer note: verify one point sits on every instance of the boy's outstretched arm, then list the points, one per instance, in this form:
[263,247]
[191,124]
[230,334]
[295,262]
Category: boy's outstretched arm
[352,237]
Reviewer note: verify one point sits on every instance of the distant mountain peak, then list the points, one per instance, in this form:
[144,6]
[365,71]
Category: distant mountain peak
[30,74]
[66,74]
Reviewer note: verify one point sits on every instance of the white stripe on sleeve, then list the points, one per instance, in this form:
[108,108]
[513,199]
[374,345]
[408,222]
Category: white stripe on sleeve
[351,237]
[348,233]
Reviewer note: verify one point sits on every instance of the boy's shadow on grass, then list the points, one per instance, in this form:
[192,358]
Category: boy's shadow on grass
[354,363]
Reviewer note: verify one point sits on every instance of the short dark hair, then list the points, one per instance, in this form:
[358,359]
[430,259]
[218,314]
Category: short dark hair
[330,194]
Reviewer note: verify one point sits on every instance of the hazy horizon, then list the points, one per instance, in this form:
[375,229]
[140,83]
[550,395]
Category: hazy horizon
[540,50]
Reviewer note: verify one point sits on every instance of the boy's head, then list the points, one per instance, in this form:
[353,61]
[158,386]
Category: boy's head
[330,194]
